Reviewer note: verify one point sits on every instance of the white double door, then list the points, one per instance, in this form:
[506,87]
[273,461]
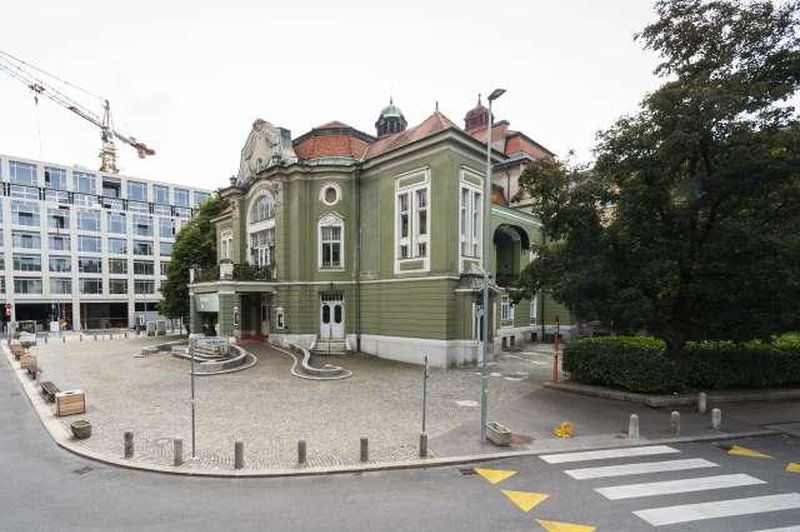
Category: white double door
[331,314]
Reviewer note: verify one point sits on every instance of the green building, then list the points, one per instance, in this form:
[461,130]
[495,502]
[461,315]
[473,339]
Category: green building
[343,241]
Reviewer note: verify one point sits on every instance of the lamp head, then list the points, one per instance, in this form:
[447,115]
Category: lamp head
[496,94]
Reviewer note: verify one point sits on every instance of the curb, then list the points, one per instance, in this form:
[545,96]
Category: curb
[686,399]
[64,440]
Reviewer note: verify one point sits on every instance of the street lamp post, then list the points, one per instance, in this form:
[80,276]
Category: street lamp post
[487,190]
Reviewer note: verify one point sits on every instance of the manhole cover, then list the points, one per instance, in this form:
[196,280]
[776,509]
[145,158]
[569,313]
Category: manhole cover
[83,470]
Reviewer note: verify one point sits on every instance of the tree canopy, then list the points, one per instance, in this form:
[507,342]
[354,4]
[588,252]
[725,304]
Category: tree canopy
[195,246]
[688,224]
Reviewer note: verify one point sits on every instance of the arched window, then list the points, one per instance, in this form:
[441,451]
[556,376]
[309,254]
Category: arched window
[262,209]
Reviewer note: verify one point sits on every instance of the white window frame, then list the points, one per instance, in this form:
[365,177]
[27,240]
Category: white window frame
[263,252]
[470,217]
[333,221]
[226,245]
[534,309]
[506,309]
[415,185]
[263,209]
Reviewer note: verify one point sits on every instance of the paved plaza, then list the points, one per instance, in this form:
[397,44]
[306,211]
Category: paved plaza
[267,408]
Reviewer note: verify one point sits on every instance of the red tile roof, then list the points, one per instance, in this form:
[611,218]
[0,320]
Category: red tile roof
[334,139]
[435,123]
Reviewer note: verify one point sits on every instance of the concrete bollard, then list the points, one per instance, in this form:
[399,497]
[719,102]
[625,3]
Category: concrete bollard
[45,340]
[63,339]
[716,419]
[128,440]
[80,336]
[675,423]
[423,444]
[633,427]
[702,402]
[177,452]
[238,455]
[302,455]
[365,449]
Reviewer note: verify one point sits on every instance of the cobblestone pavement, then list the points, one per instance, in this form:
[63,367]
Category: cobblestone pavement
[267,408]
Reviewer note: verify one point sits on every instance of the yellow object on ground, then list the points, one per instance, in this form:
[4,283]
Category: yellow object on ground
[555,526]
[525,500]
[494,475]
[793,467]
[565,430]
[738,450]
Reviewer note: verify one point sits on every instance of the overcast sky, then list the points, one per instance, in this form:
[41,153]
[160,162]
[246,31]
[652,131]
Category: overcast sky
[190,80]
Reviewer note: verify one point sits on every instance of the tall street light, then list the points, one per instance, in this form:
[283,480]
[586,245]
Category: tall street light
[487,191]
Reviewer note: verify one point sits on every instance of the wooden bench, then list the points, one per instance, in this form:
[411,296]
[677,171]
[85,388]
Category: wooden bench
[49,390]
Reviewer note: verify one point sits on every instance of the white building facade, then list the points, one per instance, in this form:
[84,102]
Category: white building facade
[83,250]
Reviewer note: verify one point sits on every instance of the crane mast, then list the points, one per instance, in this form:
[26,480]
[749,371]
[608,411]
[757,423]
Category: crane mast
[32,77]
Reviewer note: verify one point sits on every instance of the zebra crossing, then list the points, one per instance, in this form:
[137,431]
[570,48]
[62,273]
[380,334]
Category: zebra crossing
[631,464]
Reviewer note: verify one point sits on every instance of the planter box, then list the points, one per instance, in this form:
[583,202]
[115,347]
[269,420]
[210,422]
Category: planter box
[498,434]
[71,402]
[81,429]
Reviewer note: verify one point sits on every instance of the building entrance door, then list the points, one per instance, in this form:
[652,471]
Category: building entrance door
[265,317]
[331,316]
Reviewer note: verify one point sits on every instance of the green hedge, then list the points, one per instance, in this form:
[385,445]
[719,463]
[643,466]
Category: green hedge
[638,364]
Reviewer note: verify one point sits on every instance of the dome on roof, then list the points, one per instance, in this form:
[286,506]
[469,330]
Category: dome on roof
[477,117]
[391,120]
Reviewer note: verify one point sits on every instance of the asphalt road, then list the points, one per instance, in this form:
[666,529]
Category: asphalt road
[44,488]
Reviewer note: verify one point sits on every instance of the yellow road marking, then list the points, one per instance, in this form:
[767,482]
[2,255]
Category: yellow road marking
[525,500]
[494,476]
[555,526]
[738,450]
[793,467]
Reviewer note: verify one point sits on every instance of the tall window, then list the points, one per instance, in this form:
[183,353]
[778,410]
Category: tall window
[137,191]
[226,245]
[161,194]
[165,249]
[22,173]
[506,309]
[181,197]
[262,247]
[413,221]
[330,242]
[24,213]
[55,178]
[117,245]
[471,221]
[117,223]
[58,218]
[166,228]
[88,220]
[262,209]
[91,286]
[84,183]
[142,225]
[534,309]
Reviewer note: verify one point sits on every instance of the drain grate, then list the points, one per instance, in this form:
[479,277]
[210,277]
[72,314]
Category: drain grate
[466,471]
[83,470]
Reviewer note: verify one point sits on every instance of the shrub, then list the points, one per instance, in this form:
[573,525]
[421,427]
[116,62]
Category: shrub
[789,342]
[633,363]
[639,364]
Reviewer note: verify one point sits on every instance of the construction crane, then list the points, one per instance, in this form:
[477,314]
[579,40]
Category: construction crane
[33,76]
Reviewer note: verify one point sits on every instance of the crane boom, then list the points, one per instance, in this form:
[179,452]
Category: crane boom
[24,72]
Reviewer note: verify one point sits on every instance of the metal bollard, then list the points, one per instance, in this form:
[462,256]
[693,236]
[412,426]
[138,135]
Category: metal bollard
[45,340]
[238,455]
[128,444]
[716,419]
[126,335]
[95,337]
[365,449]
[423,444]
[301,452]
[177,452]
[81,337]
[675,423]
[633,427]
[702,402]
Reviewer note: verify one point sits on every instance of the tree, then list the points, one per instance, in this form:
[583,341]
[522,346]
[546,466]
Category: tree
[195,246]
[688,225]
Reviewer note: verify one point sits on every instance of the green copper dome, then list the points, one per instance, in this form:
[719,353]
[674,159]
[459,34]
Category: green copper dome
[391,120]
[391,110]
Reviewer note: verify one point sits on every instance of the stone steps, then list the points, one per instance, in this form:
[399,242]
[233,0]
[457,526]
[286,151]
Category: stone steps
[333,346]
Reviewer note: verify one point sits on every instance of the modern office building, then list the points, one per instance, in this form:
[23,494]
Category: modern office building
[82,249]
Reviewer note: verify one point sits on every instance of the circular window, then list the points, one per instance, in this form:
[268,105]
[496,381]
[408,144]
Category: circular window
[330,195]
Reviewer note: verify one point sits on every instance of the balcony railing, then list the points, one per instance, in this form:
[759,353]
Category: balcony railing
[233,272]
